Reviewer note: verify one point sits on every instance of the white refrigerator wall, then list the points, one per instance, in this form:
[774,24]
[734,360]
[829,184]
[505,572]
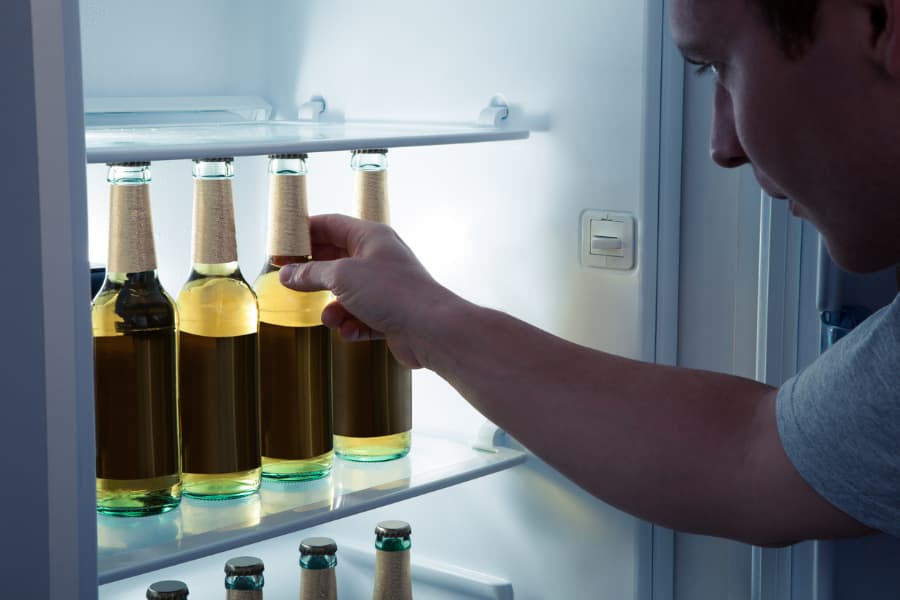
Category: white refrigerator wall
[497,223]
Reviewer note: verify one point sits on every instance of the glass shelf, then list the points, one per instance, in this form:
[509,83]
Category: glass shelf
[132,546]
[110,141]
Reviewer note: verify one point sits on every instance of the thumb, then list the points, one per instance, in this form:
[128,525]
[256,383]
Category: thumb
[306,277]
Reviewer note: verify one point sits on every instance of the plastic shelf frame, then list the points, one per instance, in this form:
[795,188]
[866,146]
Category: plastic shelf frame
[110,142]
[132,546]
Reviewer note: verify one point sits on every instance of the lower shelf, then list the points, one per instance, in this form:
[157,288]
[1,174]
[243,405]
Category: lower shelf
[131,546]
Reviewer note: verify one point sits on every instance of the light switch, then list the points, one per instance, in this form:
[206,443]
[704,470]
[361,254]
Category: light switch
[603,244]
[607,239]
[607,236]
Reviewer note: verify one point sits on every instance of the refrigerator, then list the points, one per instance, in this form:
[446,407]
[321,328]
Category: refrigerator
[512,128]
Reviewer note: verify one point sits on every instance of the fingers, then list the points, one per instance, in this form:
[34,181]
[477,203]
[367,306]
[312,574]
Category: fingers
[338,231]
[354,330]
[328,252]
[335,316]
[308,277]
[338,236]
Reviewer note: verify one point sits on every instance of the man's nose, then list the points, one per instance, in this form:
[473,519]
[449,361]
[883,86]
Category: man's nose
[725,147]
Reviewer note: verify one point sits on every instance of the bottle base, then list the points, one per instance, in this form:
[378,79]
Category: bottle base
[221,486]
[138,498]
[373,449]
[278,469]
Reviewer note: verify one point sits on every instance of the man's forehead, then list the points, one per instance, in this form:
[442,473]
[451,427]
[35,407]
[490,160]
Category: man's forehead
[697,24]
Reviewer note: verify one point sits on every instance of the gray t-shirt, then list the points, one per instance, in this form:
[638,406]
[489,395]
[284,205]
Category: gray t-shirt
[839,421]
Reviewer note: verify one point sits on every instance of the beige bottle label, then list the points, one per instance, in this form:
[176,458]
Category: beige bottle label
[288,216]
[214,237]
[243,595]
[392,577]
[370,192]
[131,247]
[318,584]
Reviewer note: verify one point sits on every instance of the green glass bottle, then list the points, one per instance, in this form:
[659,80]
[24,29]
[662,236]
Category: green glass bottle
[218,352]
[294,345]
[372,390]
[134,324]
[318,560]
[392,576]
[244,578]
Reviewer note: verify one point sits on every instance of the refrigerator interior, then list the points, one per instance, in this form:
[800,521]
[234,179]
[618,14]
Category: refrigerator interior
[499,223]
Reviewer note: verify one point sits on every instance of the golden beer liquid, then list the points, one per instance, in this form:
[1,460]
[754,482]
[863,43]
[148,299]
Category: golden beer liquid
[135,408]
[295,380]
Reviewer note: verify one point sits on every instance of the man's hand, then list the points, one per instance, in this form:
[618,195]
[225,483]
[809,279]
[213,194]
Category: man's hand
[379,285]
[693,450]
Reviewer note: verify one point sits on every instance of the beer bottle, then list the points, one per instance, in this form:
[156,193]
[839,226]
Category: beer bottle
[317,564]
[372,390]
[244,578]
[167,590]
[294,345]
[134,332]
[392,577]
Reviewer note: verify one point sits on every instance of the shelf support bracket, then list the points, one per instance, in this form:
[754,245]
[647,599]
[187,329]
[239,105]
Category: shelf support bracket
[495,113]
[312,109]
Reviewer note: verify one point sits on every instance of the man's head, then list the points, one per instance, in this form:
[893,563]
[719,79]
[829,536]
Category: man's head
[808,92]
[792,22]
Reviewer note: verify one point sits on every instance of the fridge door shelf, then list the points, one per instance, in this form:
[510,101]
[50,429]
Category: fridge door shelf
[132,546]
[117,143]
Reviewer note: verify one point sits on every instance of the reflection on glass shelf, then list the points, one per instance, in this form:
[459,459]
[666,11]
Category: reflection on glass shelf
[107,141]
[131,546]
[203,516]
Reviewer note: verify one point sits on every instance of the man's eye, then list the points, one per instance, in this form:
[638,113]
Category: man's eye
[702,68]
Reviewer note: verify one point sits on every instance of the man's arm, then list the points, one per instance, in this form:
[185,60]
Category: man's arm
[692,450]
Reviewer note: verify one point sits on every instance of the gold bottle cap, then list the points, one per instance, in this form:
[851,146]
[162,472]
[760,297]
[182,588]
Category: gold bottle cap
[170,589]
[393,529]
[317,546]
[244,565]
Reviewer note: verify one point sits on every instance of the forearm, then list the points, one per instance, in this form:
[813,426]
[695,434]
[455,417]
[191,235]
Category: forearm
[670,445]
[689,449]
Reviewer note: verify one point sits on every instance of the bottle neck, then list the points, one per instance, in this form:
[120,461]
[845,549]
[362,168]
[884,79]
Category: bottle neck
[131,248]
[142,278]
[315,562]
[393,544]
[392,575]
[318,584]
[244,582]
[237,594]
[215,242]
[288,217]
[370,194]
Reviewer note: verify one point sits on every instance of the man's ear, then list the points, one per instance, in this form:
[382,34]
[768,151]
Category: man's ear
[884,21]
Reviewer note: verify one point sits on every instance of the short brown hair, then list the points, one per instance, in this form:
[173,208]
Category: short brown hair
[792,21]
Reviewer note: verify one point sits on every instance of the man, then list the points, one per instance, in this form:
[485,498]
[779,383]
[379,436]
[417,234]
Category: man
[808,93]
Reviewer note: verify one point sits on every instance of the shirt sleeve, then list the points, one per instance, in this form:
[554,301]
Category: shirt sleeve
[839,422]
